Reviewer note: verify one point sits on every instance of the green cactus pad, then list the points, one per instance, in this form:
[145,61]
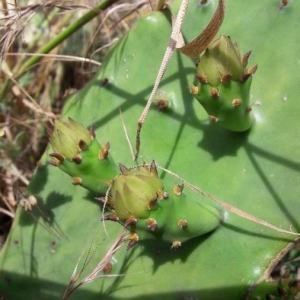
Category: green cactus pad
[257,173]
[198,219]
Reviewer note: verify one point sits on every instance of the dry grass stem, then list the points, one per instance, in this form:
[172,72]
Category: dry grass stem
[58,57]
[97,269]
[7,212]
[105,46]
[13,171]
[229,207]
[126,135]
[28,203]
[118,8]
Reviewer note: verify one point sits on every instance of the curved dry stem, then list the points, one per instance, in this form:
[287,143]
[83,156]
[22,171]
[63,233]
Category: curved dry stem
[201,42]
[7,212]
[229,207]
[162,69]
[126,134]
[192,49]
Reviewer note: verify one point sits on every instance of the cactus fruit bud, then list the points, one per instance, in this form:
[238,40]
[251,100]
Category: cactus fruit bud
[67,136]
[134,192]
[79,154]
[223,78]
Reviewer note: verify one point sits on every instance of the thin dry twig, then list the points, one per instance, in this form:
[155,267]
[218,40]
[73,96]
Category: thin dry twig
[126,135]
[103,209]
[28,203]
[13,170]
[164,64]
[6,212]
[105,46]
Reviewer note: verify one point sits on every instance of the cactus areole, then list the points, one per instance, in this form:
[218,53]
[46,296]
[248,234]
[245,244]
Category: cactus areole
[224,82]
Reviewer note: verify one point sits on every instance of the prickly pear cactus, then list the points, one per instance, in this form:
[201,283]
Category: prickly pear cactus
[139,200]
[256,171]
[136,196]
[224,85]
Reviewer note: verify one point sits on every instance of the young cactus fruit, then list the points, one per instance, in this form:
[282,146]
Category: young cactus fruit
[79,154]
[139,201]
[224,83]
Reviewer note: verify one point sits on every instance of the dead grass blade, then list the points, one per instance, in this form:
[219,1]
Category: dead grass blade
[201,42]
[118,243]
